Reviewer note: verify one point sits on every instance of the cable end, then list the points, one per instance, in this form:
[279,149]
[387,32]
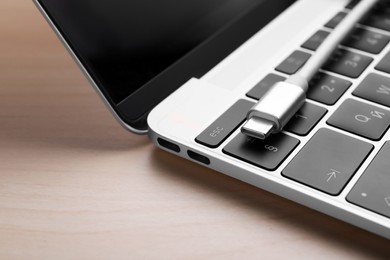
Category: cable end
[258,128]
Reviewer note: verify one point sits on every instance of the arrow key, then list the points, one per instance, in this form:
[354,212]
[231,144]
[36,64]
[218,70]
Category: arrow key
[328,161]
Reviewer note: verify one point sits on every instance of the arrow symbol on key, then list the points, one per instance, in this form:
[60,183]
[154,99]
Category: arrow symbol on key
[387,201]
[332,174]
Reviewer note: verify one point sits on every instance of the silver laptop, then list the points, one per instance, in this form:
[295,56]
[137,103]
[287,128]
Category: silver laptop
[187,74]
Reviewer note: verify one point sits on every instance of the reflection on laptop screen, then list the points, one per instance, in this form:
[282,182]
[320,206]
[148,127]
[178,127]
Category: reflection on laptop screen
[126,43]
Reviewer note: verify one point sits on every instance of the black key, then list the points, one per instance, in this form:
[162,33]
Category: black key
[294,62]
[379,18]
[368,41]
[352,4]
[348,63]
[305,119]
[327,89]
[384,64]
[336,20]
[372,190]
[375,88]
[259,90]
[315,40]
[267,154]
[362,119]
[218,131]
[328,161]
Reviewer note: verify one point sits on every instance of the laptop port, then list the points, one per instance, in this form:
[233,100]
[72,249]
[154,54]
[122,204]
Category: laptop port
[168,145]
[198,157]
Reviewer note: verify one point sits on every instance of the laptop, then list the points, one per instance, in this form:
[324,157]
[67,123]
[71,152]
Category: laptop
[188,72]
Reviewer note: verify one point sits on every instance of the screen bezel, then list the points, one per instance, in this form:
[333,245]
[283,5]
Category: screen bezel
[132,111]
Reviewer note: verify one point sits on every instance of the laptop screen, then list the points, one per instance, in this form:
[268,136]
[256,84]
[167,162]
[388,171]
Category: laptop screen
[127,43]
[138,52]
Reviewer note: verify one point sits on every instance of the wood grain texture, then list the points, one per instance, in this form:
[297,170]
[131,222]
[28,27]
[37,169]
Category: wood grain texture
[75,185]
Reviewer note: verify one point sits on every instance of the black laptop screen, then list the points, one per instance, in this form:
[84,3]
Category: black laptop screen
[124,44]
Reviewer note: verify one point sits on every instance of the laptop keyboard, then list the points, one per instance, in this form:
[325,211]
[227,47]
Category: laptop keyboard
[329,160]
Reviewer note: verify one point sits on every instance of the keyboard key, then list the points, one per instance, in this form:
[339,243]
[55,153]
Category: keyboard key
[259,90]
[328,161]
[348,63]
[327,89]
[372,190]
[336,20]
[315,41]
[362,119]
[218,131]
[375,88]
[368,41]
[352,4]
[305,119]
[267,154]
[379,18]
[294,62]
[384,64]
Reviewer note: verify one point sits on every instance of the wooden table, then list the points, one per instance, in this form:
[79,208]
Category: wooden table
[75,185]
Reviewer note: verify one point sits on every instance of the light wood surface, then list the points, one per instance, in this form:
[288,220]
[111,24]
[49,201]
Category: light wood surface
[75,185]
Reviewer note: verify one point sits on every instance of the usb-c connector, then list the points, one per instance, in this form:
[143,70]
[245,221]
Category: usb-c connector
[258,128]
[275,109]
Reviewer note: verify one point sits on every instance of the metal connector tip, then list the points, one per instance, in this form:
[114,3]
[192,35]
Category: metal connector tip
[257,128]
